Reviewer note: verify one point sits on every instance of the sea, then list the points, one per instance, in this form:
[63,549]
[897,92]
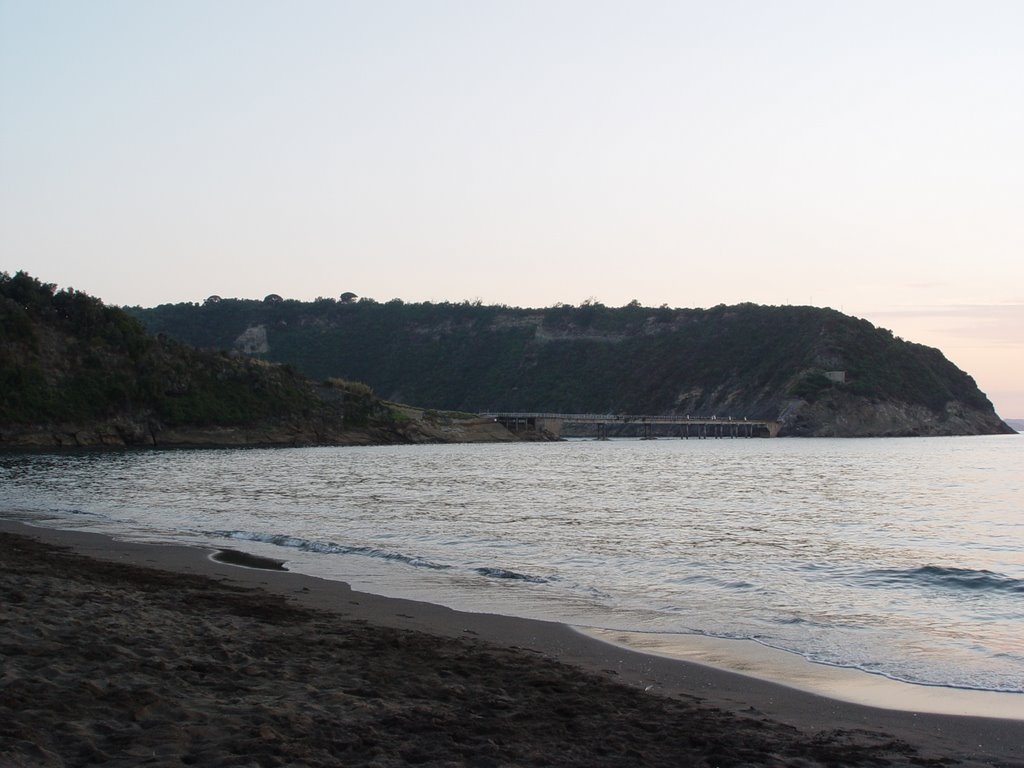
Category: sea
[903,558]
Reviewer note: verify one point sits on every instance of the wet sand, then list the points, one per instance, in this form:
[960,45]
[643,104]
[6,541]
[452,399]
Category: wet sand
[117,653]
[853,685]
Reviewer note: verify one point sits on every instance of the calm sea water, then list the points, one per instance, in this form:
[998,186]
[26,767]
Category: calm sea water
[902,557]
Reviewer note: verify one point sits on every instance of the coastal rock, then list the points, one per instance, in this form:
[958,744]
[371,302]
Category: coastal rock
[406,425]
[841,415]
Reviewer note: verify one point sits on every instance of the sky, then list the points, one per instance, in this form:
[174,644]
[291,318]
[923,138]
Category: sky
[861,155]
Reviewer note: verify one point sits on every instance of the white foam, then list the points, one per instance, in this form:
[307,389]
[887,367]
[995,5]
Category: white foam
[750,658]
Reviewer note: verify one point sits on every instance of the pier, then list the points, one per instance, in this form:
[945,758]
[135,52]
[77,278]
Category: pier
[647,427]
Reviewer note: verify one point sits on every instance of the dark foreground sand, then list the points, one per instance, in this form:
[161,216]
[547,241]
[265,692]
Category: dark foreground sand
[131,654]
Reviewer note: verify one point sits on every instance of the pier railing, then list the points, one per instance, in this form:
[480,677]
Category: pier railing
[674,426]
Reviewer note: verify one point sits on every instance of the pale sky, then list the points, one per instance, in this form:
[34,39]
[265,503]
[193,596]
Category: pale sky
[867,156]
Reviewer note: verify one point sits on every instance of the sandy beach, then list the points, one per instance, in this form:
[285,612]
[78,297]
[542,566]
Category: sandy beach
[117,653]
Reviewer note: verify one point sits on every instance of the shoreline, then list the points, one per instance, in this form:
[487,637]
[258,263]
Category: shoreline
[756,709]
[745,657]
[847,684]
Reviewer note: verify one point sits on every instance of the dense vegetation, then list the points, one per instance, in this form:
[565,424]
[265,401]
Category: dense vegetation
[67,358]
[744,361]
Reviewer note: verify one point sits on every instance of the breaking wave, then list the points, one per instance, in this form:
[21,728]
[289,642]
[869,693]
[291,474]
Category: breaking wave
[938,577]
[501,573]
[333,548]
[329,548]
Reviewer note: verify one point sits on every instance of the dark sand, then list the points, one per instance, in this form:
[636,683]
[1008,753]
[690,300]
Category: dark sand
[116,653]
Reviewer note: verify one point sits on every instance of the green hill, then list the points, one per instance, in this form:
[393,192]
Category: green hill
[76,372]
[817,370]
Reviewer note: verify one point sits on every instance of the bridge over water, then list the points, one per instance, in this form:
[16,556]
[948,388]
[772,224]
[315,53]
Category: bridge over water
[599,424]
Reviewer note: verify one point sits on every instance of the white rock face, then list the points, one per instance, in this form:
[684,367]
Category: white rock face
[253,341]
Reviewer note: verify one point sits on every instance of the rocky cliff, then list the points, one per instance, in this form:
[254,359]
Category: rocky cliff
[818,371]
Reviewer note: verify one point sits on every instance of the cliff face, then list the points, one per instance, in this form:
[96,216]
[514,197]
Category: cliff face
[818,371]
[842,415]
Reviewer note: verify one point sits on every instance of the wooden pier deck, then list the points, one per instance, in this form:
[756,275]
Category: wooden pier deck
[700,427]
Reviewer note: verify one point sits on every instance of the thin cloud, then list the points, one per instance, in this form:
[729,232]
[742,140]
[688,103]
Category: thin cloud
[998,324]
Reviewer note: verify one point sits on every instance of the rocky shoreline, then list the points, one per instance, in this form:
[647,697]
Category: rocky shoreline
[414,426]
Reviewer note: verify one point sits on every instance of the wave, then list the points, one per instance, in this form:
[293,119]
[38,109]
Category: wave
[501,573]
[332,548]
[935,576]
[329,548]
[49,513]
[1008,684]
